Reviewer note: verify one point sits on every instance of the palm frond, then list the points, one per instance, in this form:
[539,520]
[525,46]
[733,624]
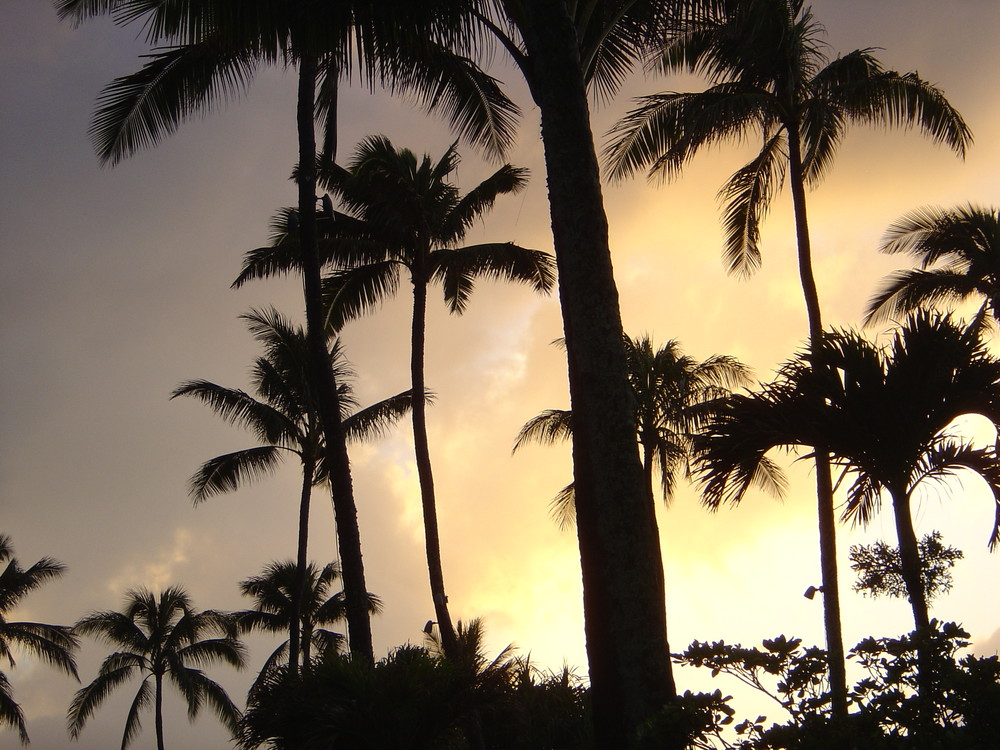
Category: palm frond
[230,471]
[238,407]
[903,292]
[869,94]
[547,427]
[11,714]
[135,111]
[665,131]
[473,205]
[458,269]
[142,700]
[748,195]
[562,507]
[351,293]
[88,699]
[375,421]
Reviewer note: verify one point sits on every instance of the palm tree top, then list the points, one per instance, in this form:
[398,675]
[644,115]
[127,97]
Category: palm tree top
[957,251]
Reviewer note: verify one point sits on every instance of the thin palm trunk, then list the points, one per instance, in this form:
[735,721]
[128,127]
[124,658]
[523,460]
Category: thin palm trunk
[341,485]
[418,412]
[910,567]
[624,607]
[301,562]
[824,482]
[158,710]
[647,469]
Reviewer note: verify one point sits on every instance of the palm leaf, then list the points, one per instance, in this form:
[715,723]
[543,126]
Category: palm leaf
[473,205]
[230,471]
[748,195]
[547,427]
[458,269]
[351,293]
[376,420]
[238,407]
[10,712]
[135,111]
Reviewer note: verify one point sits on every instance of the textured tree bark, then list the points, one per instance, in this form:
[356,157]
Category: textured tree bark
[624,608]
[824,483]
[428,503]
[341,485]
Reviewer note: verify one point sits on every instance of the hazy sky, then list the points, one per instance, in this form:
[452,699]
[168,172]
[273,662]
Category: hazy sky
[114,288]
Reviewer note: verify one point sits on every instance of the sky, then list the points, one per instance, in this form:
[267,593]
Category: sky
[114,288]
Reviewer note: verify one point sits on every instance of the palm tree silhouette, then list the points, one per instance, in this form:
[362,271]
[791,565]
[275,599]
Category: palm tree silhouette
[53,644]
[218,44]
[675,396]
[769,72]
[286,421]
[277,606]
[561,49]
[958,251]
[404,214]
[159,636]
[884,414]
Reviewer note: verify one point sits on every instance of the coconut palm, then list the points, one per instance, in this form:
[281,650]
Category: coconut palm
[769,73]
[958,252]
[561,47]
[217,46]
[285,419]
[53,644]
[674,396]
[405,215]
[160,636]
[274,594]
[886,416]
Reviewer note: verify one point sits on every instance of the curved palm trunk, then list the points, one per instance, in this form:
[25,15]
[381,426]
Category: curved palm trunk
[341,485]
[432,542]
[301,561]
[158,710]
[824,483]
[623,590]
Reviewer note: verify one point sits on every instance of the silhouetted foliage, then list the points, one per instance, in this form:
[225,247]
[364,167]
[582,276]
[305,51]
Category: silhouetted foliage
[53,644]
[886,707]
[880,569]
[159,636]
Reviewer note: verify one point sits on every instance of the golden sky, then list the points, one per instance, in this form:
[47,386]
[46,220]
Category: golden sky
[114,287]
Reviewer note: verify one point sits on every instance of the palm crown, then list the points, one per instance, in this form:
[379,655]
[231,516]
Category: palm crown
[675,395]
[159,636]
[273,594]
[769,72]
[958,252]
[53,644]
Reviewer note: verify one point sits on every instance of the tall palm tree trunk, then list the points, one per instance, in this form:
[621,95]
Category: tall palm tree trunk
[624,608]
[824,482]
[432,541]
[341,485]
[910,567]
[301,561]
[158,710]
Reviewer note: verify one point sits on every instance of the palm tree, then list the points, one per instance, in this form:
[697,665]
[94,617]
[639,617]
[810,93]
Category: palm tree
[159,636]
[561,47]
[769,72]
[674,396]
[54,644]
[884,414]
[958,251]
[285,419]
[404,214]
[218,45]
[277,605]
